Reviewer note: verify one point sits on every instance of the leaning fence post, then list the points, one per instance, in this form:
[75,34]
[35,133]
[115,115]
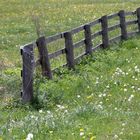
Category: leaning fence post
[69,49]
[88,39]
[138,16]
[123,26]
[105,38]
[44,58]
[27,72]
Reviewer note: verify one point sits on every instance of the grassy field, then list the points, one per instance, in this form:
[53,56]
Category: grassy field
[99,100]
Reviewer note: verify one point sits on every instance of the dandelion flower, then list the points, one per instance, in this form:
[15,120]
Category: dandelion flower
[81,129]
[93,137]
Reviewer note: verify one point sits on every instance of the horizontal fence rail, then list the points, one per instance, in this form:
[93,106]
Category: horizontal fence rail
[88,42]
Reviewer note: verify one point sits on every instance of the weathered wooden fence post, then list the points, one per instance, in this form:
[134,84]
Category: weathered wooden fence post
[138,16]
[105,38]
[124,35]
[88,39]
[69,50]
[27,72]
[44,58]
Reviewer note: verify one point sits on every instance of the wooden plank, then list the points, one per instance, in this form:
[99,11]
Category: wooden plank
[79,57]
[115,39]
[99,46]
[27,72]
[130,34]
[54,37]
[57,53]
[44,58]
[96,34]
[57,68]
[33,43]
[88,39]
[69,50]
[105,37]
[138,17]
[130,22]
[130,13]
[79,44]
[111,28]
[97,21]
[123,26]
[76,30]
[112,16]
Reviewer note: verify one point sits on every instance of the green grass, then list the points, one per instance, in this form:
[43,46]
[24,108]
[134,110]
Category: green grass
[17,28]
[100,98]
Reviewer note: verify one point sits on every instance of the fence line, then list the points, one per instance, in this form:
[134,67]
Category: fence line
[41,43]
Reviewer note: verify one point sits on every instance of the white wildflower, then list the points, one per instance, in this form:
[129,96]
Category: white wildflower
[40,111]
[125,89]
[100,95]
[130,98]
[123,124]
[126,73]
[60,106]
[101,103]
[104,95]
[49,112]
[66,111]
[81,133]
[100,106]
[133,77]
[29,136]
[115,108]
[107,86]
[116,136]
[78,96]
[133,87]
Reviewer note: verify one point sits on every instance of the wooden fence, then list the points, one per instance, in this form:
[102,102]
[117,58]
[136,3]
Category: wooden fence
[27,51]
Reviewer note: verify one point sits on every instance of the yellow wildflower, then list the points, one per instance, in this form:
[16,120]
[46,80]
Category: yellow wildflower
[89,97]
[81,129]
[93,138]
[84,137]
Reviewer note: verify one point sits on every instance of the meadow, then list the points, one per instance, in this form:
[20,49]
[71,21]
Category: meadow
[99,100]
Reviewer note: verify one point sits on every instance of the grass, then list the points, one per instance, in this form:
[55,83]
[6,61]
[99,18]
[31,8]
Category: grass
[99,100]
